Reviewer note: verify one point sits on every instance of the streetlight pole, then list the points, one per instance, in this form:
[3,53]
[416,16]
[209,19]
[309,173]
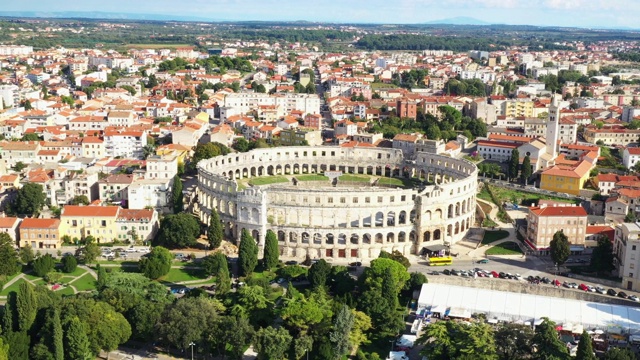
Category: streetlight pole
[192,344]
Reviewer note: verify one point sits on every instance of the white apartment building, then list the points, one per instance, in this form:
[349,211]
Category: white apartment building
[154,193]
[124,143]
[626,248]
[121,118]
[630,156]
[136,224]
[243,103]
[10,95]
[161,167]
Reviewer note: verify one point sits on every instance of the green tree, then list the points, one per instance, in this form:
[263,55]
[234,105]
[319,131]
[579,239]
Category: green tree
[189,320]
[361,325]
[69,264]
[91,251]
[4,350]
[526,169]
[319,273]
[102,277]
[272,343]
[548,344]
[29,200]
[27,105]
[453,340]
[178,231]
[216,265]
[271,253]
[208,150]
[19,166]
[26,254]
[416,279]
[630,217]
[602,256]
[395,256]
[177,196]
[215,233]
[559,248]
[247,253]
[585,348]
[237,334]
[303,312]
[80,200]
[43,265]
[76,343]
[19,344]
[342,326]
[514,341]
[26,306]
[514,164]
[143,318]
[157,264]
[51,334]
[30,137]
[616,353]
[241,145]
[9,262]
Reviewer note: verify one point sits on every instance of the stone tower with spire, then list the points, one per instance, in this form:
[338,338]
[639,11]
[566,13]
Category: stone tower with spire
[552,128]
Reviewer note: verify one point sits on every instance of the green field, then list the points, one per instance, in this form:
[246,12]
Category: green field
[13,287]
[492,236]
[312,177]
[354,178]
[66,291]
[179,275]
[518,197]
[506,248]
[400,182]
[266,180]
[85,283]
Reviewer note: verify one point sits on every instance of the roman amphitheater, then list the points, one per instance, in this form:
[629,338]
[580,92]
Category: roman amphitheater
[335,202]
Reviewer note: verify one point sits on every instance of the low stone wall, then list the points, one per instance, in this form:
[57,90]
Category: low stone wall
[609,283]
[526,288]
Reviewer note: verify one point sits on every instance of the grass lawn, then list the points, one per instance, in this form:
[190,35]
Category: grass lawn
[484,194]
[85,283]
[266,180]
[179,275]
[520,196]
[407,183]
[66,291]
[354,178]
[13,287]
[39,282]
[76,272]
[209,281]
[312,177]
[506,248]
[491,236]
[379,345]
[32,277]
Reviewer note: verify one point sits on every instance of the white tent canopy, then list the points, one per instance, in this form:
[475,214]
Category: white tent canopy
[524,307]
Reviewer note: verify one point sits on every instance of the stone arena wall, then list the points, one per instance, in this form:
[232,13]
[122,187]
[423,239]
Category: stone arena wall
[325,219]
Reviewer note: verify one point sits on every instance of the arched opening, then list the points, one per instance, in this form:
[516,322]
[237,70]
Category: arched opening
[450,212]
[437,214]
[391,218]
[379,238]
[413,236]
[437,234]
[391,237]
[412,216]
[355,239]
[379,218]
[449,229]
[330,239]
[293,237]
[402,236]
[305,237]
[427,236]
[427,215]
[457,209]
[342,239]
[281,235]
[256,235]
[402,218]
[457,228]
[366,239]
[244,213]
[317,238]
[270,170]
[255,215]
[253,171]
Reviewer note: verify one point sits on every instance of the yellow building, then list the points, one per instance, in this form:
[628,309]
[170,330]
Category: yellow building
[180,151]
[517,108]
[566,179]
[82,221]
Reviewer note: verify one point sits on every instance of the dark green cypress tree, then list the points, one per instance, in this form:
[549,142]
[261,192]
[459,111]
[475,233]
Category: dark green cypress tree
[247,253]
[271,253]
[215,233]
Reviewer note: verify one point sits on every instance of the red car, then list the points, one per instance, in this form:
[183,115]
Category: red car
[495,274]
[583,287]
[555,283]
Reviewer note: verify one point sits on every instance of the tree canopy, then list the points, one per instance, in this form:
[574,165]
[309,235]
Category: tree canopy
[178,231]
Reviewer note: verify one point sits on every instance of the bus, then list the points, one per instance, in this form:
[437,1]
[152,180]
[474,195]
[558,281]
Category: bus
[440,261]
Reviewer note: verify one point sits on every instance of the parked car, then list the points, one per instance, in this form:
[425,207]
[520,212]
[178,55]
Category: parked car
[591,288]
[357,263]
[446,272]
[502,275]
[291,262]
[131,249]
[483,261]
[435,272]
[612,292]
[633,298]
[495,274]
[555,282]
[179,256]
[518,277]
[546,280]
[622,294]
[600,290]
[583,287]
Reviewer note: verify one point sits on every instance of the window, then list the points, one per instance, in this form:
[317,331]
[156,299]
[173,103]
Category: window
[330,200]
[355,200]
[103,223]
[633,248]
[317,200]
[379,199]
[343,200]
[367,199]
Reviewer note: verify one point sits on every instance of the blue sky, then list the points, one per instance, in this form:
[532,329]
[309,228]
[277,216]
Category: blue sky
[584,13]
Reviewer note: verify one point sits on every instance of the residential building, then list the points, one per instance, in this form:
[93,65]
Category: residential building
[10,181]
[82,221]
[137,226]
[301,136]
[114,190]
[126,143]
[406,143]
[161,167]
[626,249]
[607,182]
[566,179]
[75,184]
[544,221]
[40,233]
[630,156]
[153,193]
[9,225]
[93,147]
[345,127]
[611,135]
[13,152]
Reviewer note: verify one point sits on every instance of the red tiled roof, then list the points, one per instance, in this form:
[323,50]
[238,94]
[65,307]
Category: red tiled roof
[559,211]
[77,210]
[30,223]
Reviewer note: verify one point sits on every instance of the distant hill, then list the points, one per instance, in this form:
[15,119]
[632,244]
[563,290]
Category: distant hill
[100,15]
[460,20]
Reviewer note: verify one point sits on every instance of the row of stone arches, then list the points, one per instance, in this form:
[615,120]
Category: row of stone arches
[317,238]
